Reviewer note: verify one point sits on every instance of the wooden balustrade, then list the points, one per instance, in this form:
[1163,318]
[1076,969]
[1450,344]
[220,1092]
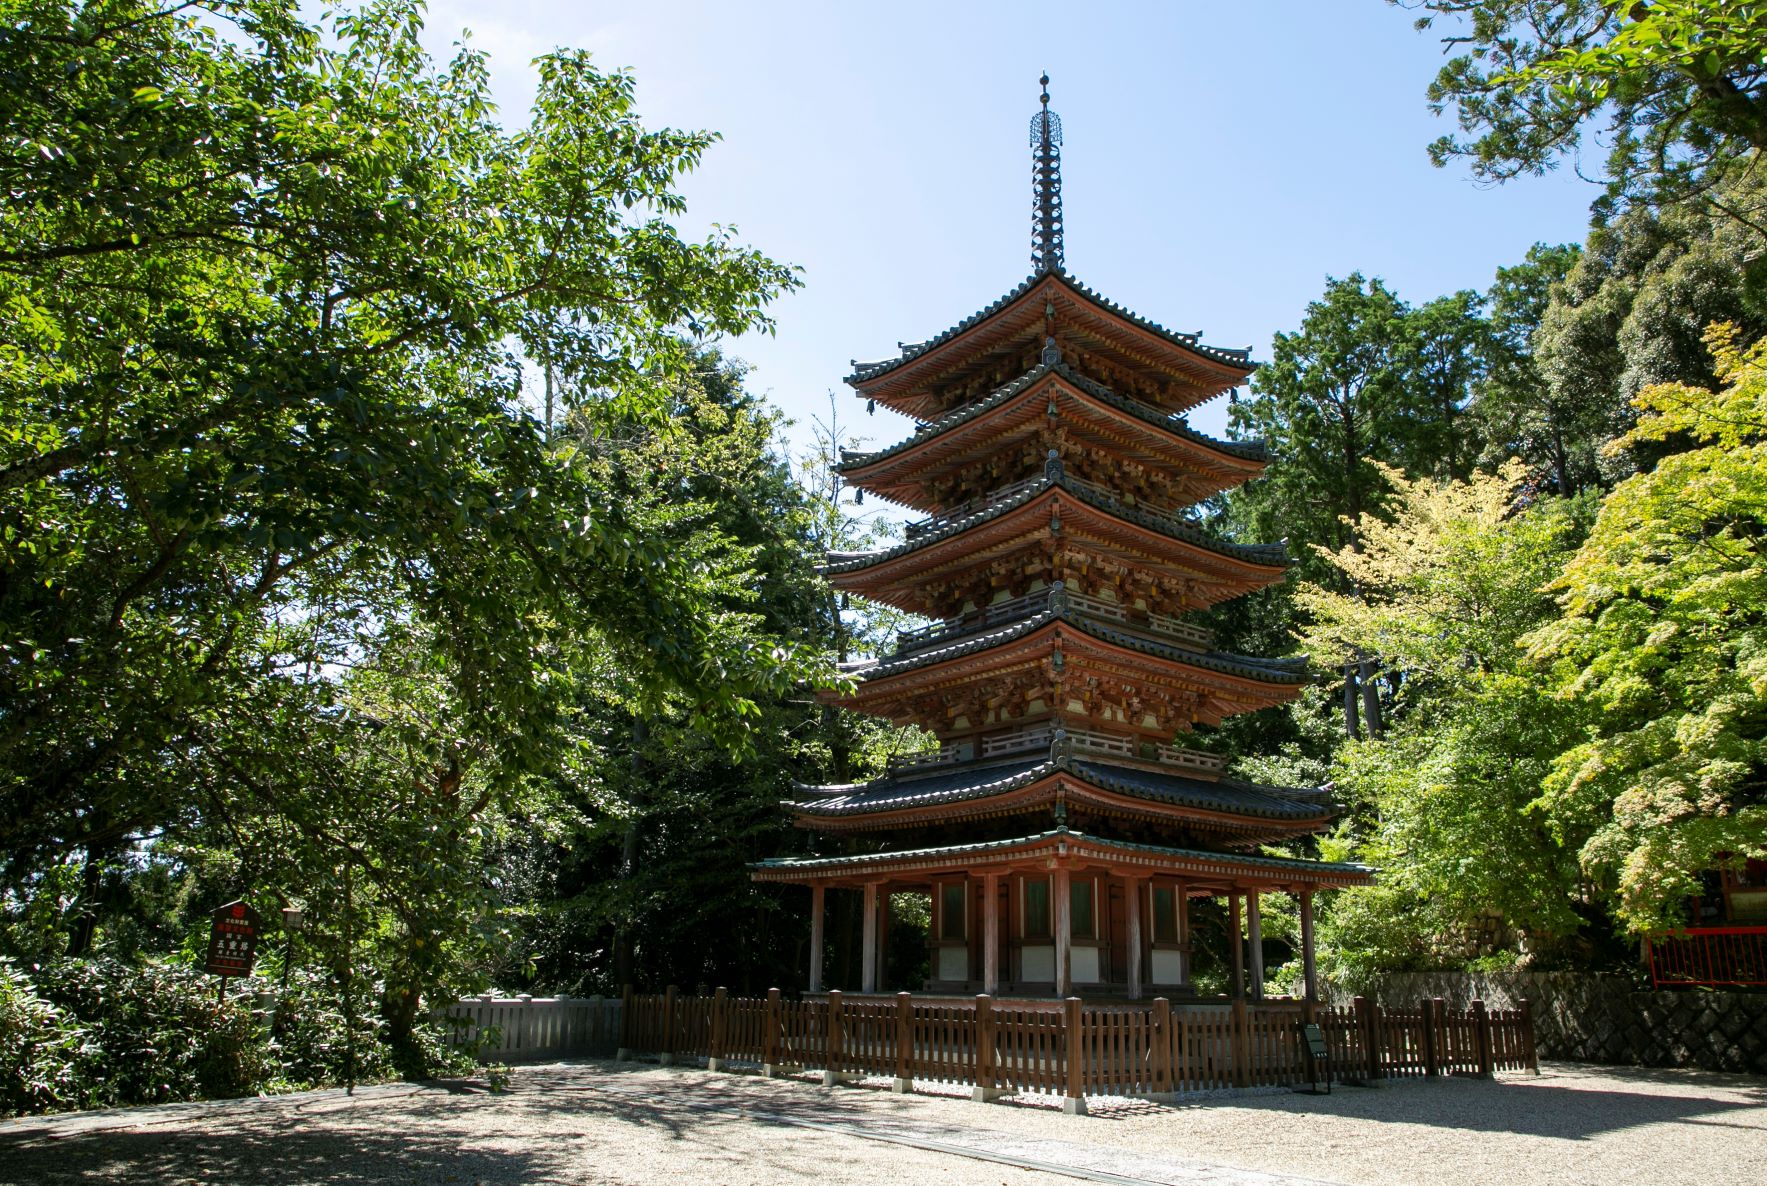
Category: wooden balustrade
[1182,633]
[1073,1049]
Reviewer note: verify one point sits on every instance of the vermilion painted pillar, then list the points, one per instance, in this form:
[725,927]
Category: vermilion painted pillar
[816,938]
[1133,888]
[1309,967]
[868,961]
[991,934]
[1255,942]
[1236,944]
[1064,934]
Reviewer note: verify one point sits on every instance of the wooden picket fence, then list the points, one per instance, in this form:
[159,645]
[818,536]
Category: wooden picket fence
[1074,1049]
[528,1029]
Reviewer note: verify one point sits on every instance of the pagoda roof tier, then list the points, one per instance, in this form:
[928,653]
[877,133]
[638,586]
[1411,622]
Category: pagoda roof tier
[1135,356]
[1051,528]
[1204,871]
[1121,679]
[1239,811]
[1049,403]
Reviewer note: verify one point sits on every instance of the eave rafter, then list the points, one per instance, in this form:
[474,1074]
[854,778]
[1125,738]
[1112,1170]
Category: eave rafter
[1173,371]
[1053,667]
[1064,788]
[1056,534]
[1099,436]
[1204,872]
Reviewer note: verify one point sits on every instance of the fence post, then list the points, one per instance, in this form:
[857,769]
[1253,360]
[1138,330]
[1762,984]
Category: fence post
[771,1032]
[831,1066]
[1240,1043]
[524,1020]
[1162,1049]
[987,1084]
[1074,1103]
[1432,1056]
[623,1048]
[1368,1017]
[666,1057]
[904,1080]
[1526,1008]
[715,1048]
[1482,1027]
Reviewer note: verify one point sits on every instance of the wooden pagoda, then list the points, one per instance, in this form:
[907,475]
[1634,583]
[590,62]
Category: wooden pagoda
[1061,828]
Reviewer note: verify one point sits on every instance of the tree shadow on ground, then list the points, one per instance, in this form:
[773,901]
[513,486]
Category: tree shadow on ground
[1550,1105]
[260,1154]
[1541,1106]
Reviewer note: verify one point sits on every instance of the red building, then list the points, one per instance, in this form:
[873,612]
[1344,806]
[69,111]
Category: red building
[1061,829]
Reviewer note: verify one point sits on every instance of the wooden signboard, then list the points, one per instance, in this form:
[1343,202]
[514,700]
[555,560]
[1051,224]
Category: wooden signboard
[1317,1055]
[233,940]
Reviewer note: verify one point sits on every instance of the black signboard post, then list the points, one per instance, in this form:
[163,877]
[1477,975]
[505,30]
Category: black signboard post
[233,942]
[1318,1056]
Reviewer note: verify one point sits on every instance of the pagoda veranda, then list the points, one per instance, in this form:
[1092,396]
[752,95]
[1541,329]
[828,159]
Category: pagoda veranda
[1062,828]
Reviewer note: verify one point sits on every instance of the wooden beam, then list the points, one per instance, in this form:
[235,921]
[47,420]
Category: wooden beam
[1255,944]
[1309,967]
[1182,893]
[816,912]
[1133,888]
[991,934]
[1064,933]
[1235,944]
[868,960]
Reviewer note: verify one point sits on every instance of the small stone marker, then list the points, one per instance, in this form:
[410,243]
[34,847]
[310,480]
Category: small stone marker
[233,940]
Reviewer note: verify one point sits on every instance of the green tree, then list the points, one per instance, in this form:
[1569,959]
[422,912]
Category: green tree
[652,855]
[1675,89]
[1632,311]
[1518,413]
[1444,800]
[294,592]
[1330,404]
[1663,641]
[1446,354]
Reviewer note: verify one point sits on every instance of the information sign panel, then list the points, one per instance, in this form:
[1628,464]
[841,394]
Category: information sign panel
[233,940]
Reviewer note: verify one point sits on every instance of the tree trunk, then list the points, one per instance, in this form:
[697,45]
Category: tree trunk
[629,852]
[1370,695]
[1350,726]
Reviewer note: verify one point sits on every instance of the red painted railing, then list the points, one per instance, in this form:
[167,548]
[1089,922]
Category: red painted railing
[1727,956]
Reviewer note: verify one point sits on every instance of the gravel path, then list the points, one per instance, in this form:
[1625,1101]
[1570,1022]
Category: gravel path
[619,1123]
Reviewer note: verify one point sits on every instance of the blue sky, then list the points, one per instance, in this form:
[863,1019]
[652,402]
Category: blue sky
[1221,159]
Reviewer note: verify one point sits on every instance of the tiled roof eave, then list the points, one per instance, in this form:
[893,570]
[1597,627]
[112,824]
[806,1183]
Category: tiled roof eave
[1238,359]
[1240,450]
[1223,662]
[1058,836]
[1266,555]
[891,793]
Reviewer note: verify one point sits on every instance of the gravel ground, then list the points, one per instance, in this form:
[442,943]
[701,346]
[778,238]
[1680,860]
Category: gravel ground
[620,1123]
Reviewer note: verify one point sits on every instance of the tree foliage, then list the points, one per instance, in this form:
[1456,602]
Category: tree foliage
[295,593]
[1676,89]
[1443,802]
[1663,640]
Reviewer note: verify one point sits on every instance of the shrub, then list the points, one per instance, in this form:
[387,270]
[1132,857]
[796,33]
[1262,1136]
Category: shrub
[97,1033]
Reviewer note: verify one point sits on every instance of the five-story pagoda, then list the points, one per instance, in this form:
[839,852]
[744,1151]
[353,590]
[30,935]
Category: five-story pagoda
[1061,828]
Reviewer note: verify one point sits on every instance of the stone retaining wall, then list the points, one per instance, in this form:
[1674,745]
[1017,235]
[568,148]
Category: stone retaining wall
[1604,1019]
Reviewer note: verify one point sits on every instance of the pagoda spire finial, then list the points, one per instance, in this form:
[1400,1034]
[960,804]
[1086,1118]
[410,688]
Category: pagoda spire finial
[1046,236]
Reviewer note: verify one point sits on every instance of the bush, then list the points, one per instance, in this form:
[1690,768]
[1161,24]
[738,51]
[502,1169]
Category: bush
[39,1050]
[153,1033]
[98,1033]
